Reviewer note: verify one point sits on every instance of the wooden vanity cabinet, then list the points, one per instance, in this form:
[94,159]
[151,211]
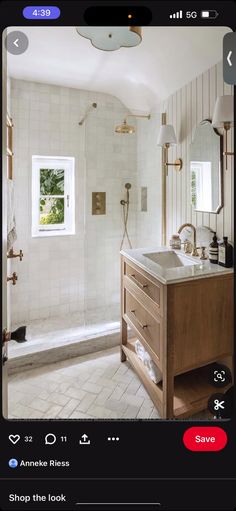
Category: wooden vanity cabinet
[185,327]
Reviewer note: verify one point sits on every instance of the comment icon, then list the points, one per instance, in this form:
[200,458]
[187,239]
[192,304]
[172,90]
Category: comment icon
[50,439]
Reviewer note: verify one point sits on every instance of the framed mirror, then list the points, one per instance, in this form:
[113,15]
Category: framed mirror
[206,169]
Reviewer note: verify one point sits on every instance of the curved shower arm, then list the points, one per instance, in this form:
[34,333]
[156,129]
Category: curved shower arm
[94,105]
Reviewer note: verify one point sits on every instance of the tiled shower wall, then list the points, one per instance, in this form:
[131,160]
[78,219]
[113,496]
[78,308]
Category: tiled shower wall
[64,274]
[149,177]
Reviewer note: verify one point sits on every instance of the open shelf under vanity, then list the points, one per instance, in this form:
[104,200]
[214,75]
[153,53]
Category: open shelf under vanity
[191,390]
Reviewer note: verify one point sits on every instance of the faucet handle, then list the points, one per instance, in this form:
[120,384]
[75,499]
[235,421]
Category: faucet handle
[203,253]
[194,251]
[187,246]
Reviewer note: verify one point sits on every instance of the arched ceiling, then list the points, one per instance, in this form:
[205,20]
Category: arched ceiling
[141,77]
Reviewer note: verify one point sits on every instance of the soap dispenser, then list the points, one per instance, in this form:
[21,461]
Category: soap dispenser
[213,250]
[225,253]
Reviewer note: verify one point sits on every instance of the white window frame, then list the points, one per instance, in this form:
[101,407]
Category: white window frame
[68,165]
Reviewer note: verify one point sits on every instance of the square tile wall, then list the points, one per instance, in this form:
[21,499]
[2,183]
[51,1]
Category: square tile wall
[64,274]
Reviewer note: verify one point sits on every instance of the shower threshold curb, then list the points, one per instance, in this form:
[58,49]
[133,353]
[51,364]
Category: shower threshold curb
[66,351]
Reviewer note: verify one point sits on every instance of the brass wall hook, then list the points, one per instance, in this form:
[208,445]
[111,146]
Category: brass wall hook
[11,254]
[14,278]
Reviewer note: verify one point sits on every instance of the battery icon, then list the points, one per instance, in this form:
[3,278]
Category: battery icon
[209,14]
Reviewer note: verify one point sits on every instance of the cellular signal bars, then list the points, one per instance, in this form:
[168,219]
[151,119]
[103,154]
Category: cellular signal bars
[178,14]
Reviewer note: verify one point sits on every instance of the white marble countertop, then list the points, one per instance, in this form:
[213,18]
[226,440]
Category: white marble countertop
[202,269]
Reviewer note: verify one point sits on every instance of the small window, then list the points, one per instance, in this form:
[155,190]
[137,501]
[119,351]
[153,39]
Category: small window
[53,203]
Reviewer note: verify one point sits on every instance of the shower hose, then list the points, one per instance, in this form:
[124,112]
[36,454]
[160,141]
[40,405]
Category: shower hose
[125,206]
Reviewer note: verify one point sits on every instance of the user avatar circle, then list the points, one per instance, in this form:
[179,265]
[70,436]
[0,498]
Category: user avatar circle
[16,42]
[220,375]
[12,463]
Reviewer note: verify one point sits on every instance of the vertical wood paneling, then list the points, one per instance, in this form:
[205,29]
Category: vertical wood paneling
[178,174]
[189,122]
[227,179]
[213,96]
[199,108]
[174,156]
[232,183]
[185,109]
[206,115]
[220,216]
[170,215]
[194,124]
[183,138]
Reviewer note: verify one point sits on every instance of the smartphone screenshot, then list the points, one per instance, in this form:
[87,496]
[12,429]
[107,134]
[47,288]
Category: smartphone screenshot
[117,174]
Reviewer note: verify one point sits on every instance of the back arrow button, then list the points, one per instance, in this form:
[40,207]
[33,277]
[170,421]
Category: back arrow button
[229,58]
[16,42]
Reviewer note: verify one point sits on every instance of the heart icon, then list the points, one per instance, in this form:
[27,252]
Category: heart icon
[14,439]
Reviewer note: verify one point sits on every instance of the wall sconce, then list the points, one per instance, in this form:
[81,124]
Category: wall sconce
[166,139]
[223,117]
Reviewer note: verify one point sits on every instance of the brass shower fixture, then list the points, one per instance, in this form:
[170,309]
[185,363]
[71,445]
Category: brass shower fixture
[125,128]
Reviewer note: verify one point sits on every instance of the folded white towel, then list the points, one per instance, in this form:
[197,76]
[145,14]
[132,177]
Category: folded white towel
[140,350]
[153,371]
[11,222]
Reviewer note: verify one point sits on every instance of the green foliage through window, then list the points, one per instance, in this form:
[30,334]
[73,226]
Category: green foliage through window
[193,188]
[51,211]
[51,207]
[51,182]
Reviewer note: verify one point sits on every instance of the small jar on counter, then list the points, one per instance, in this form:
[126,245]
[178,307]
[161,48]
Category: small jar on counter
[175,241]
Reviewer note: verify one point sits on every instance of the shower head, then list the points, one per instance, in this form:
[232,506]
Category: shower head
[127,186]
[125,128]
[128,128]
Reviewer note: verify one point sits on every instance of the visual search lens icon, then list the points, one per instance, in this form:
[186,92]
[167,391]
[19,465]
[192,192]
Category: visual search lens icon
[220,375]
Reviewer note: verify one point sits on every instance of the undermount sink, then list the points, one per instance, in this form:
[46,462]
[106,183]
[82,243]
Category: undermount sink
[169,259]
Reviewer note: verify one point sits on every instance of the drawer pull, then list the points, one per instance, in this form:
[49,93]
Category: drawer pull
[137,282]
[136,319]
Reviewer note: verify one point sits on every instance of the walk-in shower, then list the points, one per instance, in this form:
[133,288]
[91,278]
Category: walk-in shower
[125,207]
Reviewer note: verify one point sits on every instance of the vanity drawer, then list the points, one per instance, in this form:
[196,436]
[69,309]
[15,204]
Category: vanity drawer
[148,285]
[149,328]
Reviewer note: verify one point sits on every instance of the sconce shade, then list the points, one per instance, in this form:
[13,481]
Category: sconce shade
[166,135]
[223,111]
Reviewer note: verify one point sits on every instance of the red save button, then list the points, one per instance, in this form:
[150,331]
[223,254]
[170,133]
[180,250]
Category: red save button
[204,438]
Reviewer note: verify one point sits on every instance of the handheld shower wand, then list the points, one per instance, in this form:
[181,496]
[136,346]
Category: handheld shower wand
[125,205]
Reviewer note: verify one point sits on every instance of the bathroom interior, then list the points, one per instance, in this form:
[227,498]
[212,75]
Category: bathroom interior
[119,202]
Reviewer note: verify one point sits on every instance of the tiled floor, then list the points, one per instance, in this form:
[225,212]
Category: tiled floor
[96,386]
[92,386]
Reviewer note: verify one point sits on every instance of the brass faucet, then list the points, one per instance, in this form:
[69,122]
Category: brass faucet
[194,249]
